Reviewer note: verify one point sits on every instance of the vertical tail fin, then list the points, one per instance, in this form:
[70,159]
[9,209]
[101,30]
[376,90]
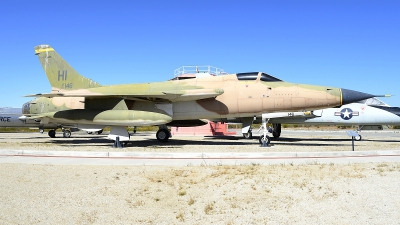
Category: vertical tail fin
[59,73]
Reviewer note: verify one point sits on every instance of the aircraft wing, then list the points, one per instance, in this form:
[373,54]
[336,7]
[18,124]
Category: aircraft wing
[173,96]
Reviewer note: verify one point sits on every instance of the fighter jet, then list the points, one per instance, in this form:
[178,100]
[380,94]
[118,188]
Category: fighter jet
[75,99]
[368,114]
[19,120]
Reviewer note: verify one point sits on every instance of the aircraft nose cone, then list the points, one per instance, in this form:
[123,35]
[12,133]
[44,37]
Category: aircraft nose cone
[349,96]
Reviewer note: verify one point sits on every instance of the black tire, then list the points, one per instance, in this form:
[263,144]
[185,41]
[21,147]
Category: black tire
[248,135]
[358,138]
[52,133]
[163,135]
[67,133]
[100,131]
[277,128]
[268,139]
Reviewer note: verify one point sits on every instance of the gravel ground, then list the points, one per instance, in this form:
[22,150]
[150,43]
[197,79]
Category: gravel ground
[244,194]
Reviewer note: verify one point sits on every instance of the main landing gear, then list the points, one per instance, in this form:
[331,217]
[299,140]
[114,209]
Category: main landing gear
[66,133]
[163,134]
[276,130]
[52,133]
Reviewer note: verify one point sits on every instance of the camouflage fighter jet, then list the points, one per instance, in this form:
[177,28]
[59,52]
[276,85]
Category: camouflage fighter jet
[75,99]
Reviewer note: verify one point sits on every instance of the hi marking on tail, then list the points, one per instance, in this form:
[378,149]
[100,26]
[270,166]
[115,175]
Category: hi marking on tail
[59,73]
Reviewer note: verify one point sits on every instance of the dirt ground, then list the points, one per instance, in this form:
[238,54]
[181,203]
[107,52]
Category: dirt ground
[253,194]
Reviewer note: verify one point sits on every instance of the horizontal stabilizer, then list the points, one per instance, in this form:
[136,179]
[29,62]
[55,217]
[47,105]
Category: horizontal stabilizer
[47,95]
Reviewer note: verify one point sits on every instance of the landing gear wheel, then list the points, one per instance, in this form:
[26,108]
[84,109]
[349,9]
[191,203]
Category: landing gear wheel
[163,135]
[67,133]
[52,133]
[276,134]
[277,128]
[358,138]
[266,139]
[41,131]
[248,135]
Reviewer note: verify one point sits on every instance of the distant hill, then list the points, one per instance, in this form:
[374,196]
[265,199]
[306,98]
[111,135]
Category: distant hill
[4,110]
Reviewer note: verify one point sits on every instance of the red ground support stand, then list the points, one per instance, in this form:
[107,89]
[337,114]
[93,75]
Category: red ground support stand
[210,129]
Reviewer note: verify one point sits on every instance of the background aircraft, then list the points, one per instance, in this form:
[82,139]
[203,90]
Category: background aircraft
[368,114]
[19,120]
[75,99]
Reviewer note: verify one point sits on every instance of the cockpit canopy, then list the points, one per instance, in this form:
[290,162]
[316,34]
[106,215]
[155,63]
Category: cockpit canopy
[253,76]
[26,108]
[372,102]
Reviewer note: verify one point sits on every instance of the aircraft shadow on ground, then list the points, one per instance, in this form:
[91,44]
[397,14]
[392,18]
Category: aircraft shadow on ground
[101,140]
[388,141]
[176,143]
[309,139]
[330,140]
[172,143]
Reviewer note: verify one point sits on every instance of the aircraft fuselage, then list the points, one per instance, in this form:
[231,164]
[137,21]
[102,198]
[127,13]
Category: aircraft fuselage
[240,98]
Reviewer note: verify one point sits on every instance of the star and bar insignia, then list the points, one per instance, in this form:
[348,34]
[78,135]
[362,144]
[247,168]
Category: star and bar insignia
[346,113]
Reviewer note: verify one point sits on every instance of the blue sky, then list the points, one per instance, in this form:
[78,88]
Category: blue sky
[347,44]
